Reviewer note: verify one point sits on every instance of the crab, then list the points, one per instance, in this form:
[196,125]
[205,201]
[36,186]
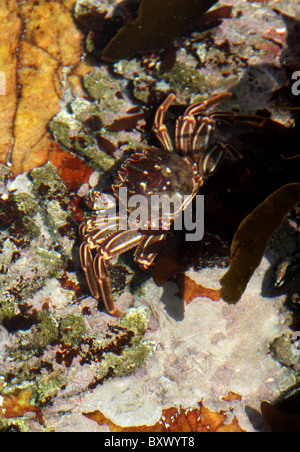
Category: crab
[178,170]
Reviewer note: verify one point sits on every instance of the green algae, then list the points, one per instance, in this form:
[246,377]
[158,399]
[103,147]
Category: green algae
[32,229]
[14,288]
[101,86]
[8,307]
[65,129]
[136,320]
[57,216]
[72,329]
[119,354]
[182,77]
[135,354]
[78,130]
[45,332]
[7,252]
[131,359]
[54,209]
[26,203]
[46,183]
[26,258]
[99,159]
[51,262]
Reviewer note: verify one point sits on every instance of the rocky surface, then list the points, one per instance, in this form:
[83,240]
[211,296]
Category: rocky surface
[60,355]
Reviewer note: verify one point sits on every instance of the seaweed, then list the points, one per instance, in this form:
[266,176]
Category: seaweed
[252,237]
[157,25]
[199,419]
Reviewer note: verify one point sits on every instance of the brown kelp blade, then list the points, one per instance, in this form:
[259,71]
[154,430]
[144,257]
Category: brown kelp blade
[252,237]
[157,25]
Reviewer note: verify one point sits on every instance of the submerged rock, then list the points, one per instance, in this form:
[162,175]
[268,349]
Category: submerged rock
[60,356]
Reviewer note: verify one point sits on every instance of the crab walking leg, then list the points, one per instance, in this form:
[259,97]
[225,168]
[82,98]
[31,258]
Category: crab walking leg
[189,128]
[250,120]
[95,269]
[87,259]
[159,128]
[148,249]
[105,286]
[201,138]
[200,107]
[193,134]
[183,132]
[120,243]
[211,160]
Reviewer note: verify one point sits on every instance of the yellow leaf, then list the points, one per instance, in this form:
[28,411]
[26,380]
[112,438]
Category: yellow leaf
[37,40]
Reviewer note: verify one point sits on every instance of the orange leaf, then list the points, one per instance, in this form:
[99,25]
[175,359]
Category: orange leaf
[210,420]
[71,168]
[189,289]
[17,404]
[232,427]
[176,420]
[232,396]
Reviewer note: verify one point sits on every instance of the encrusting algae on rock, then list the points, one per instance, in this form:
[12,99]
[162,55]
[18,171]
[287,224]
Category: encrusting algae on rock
[65,364]
[50,334]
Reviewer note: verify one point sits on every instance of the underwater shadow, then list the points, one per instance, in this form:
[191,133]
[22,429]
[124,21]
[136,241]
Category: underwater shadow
[174,305]
[256,419]
[80,276]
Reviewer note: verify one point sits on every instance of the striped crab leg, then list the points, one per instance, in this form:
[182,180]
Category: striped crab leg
[159,127]
[95,269]
[188,126]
